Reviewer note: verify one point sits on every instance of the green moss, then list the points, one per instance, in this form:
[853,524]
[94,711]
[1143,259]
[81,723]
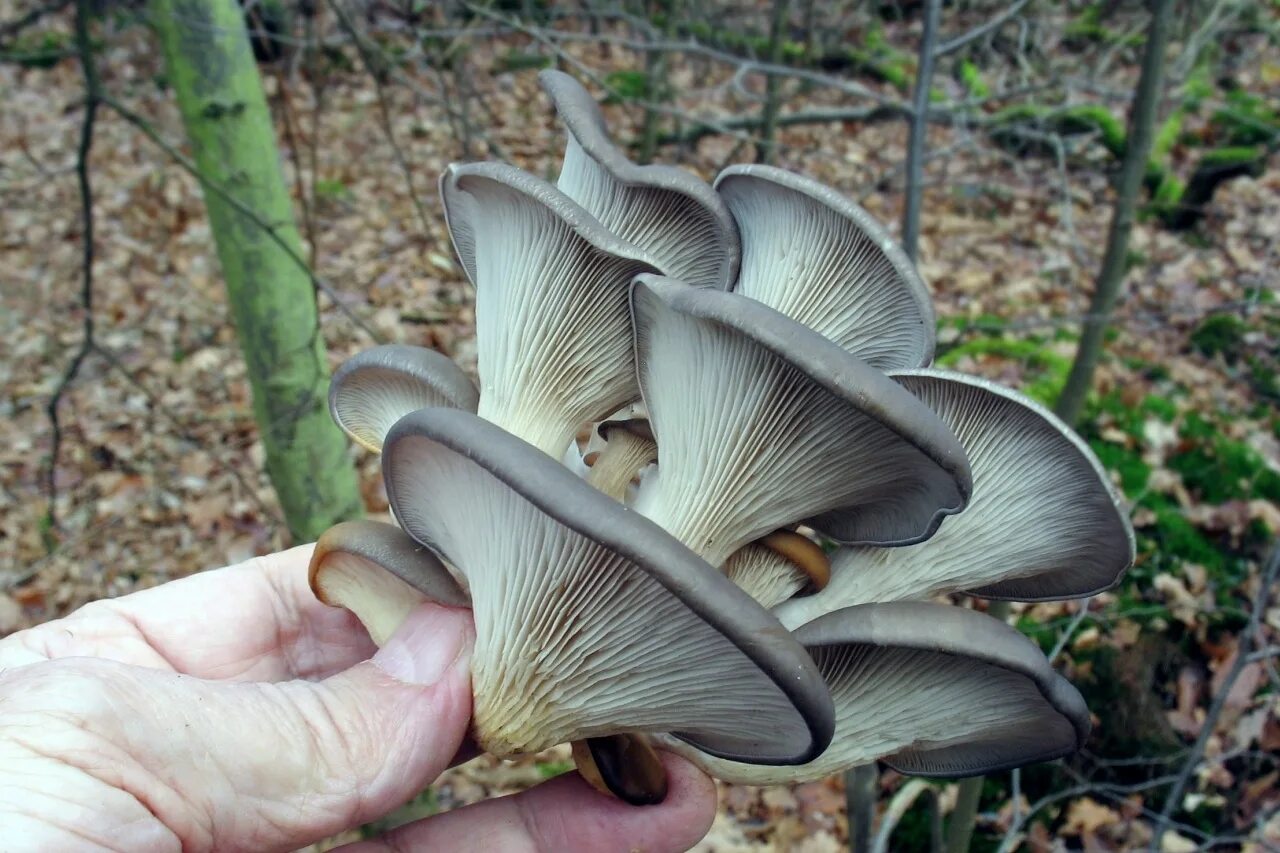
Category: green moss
[35,49]
[550,769]
[1067,121]
[1162,407]
[971,78]
[422,806]
[1246,119]
[1046,370]
[627,86]
[1220,334]
[1223,469]
[1134,472]
[515,60]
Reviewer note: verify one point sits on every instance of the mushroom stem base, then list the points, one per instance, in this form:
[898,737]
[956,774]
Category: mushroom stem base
[625,766]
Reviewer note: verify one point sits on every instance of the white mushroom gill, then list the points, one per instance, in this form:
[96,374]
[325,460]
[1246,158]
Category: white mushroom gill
[552,326]
[667,211]
[764,574]
[377,387]
[750,441]
[623,457]
[825,262]
[1044,521]
[574,639]
[936,696]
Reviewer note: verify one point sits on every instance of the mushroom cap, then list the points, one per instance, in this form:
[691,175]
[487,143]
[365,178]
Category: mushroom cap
[1044,522]
[590,619]
[375,388]
[378,572]
[667,211]
[553,333]
[930,689]
[762,423]
[822,260]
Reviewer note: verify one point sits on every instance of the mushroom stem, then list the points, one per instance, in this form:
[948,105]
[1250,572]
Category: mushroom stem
[625,766]
[777,567]
[629,448]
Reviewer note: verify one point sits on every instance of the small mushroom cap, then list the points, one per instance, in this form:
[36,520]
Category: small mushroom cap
[667,211]
[378,572]
[553,330]
[375,388]
[762,423]
[824,261]
[1044,522]
[929,689]
[590,619]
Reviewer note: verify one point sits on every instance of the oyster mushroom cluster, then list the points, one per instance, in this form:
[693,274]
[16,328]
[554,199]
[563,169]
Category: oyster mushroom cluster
[709,490]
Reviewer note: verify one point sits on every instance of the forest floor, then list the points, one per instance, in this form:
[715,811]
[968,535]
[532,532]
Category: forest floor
[159,473]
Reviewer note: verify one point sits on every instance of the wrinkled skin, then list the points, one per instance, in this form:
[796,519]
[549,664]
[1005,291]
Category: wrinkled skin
[232,711]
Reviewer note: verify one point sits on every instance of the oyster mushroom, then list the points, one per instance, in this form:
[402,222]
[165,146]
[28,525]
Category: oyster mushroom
[929,689]
[553,332]
[629,448]
[761,423]
[379,573]
[1044,523]
[375,388]
[776,567]
[590,619]
[817,257]
[665,210]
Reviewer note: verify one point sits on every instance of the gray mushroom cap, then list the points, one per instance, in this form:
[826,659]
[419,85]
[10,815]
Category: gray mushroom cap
[824,261]
[375,388]
[379,573]
[591,620]
[1044,522]
[667,211]
[553,332]
[929,689]
[762,423]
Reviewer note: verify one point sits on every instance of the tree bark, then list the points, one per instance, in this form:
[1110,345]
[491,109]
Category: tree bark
[219,93]
[1142,120]
[919,130]
[766,150]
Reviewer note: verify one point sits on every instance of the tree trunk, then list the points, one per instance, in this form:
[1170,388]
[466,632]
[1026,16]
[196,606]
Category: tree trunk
[219,93]
[766,150]
[1142,120]
[919,130]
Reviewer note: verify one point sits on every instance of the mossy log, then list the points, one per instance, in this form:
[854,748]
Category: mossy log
[1180,206]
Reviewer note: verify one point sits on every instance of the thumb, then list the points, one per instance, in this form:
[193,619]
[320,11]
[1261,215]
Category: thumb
[258,766]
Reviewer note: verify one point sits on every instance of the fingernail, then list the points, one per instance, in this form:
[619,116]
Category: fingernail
[429,642]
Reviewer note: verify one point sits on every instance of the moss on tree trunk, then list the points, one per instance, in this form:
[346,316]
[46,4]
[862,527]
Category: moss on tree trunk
[219,93]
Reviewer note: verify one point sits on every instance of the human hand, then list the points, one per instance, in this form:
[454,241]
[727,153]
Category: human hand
[232,711]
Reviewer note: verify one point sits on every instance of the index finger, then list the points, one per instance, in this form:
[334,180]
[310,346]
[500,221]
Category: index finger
[255,621]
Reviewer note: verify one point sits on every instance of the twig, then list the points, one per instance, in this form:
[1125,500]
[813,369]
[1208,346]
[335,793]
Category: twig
[899,805]
[765,152]
[384,112]
[1244,648]
[92,100]
[860,805]
[919,130]
[954,44]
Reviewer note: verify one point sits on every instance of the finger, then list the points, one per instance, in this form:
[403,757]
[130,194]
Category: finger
[566,815]
[256,621]
[259,766]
